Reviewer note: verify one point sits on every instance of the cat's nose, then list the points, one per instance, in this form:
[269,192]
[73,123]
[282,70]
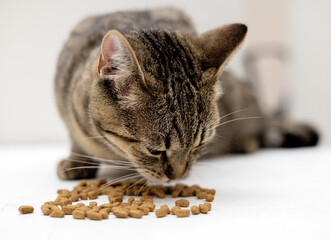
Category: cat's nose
[175,171]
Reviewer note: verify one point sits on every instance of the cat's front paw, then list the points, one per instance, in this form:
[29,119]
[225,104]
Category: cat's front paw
[66,170]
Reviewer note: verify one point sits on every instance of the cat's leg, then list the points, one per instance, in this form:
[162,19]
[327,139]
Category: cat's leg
[65,171]
[285,134]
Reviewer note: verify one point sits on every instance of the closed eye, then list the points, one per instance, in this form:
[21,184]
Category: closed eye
[154,152]
[124,138]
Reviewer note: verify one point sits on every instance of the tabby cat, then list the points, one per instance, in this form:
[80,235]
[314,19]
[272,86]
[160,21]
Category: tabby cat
[142,88]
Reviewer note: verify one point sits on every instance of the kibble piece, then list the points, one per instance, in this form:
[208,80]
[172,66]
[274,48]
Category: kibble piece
[106,190]
[120,212]
[174,209]
[96,208]
[74,197]
[212,191]
[150,205]
[68,209]
[115,199]
[135,213]
[84,208]
[144,209]
[104,213]
[116,193]
[165,208]
[78,214]
[106,205]
[64,193]
[93,215]
[48,208]
[147,193]
[210,197]
[82,183]
[93,204]
[64,201]
[146,199]
[136,203]
[108,210]
[80,204]
[168,189]
[57,214]
[160,213]
[201,195]
[195,210]
[93,194]
[25,209]
[209,205]
[203,208]
[182,203]
[187,192]
[176,193]
[130,200]
[83,195]
[182,212]
[159,193]
[180,186]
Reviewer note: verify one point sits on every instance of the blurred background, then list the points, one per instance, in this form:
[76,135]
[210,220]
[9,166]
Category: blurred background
[287,51]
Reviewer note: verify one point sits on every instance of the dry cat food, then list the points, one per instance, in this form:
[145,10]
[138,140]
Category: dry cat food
[182,212]
[182,203]
[133,208]
[204,208]
[195,210]
[174,209]
[25,209]
[161,212]
[57,214]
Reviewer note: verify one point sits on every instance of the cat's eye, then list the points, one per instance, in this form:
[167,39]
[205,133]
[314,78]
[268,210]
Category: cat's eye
[154,152]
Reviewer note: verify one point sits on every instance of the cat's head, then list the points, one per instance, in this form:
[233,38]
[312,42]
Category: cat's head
[154,95]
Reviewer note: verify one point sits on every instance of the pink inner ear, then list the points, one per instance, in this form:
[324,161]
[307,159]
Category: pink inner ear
[102,63]
[109,47]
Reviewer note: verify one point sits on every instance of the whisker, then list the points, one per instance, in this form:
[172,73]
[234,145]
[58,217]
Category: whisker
[86,167]
[118,162]
[231,113]
[88,138]
[80,161]
[205,152]
[122,178]
[133,184]
[234,112]
[142,187]
[236,119]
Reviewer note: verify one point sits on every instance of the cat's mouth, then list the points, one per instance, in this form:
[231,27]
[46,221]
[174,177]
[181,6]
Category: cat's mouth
[165,174]
[150,175]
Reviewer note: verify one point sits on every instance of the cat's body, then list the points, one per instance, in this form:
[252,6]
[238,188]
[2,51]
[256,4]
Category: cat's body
[171,108]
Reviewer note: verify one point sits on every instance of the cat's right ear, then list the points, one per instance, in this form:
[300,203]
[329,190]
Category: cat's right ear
[218,44]
[118,61]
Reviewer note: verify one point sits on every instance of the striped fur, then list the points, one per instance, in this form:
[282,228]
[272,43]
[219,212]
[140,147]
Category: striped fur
[148,92]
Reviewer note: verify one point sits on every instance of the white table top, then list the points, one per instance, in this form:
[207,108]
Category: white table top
[272,194]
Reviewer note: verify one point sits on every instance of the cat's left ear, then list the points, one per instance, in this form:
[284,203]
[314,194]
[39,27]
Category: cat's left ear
[218,44]
[118,61]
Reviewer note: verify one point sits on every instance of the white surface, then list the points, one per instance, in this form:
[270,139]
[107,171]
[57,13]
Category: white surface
[274,194]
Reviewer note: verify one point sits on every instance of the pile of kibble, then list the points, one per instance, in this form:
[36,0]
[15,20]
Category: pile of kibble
[63,204]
